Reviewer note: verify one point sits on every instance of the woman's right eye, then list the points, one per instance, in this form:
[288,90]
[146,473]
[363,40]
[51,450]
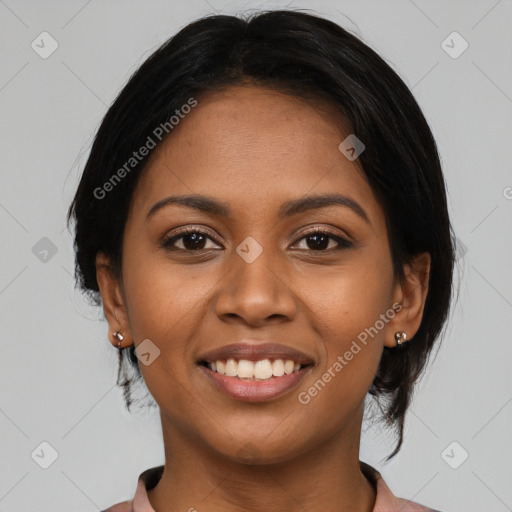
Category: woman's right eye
[190,239]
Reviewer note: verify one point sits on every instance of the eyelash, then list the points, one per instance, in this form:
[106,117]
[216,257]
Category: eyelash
[168,242]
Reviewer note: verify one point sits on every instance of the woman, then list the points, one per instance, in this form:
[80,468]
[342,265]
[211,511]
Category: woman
[263,219]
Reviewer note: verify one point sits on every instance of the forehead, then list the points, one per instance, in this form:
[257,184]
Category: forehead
[252,146]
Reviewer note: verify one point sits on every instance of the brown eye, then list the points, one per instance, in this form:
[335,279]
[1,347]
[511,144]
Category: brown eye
[319,241]
[191,240]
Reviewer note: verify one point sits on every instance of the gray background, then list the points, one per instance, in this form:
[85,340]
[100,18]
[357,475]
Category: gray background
[57,368]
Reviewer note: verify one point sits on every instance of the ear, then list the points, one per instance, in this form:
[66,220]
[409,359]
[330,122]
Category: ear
[112,297]
[411,294]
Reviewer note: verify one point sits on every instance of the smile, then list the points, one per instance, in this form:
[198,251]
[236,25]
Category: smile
[263,369]
[245,385]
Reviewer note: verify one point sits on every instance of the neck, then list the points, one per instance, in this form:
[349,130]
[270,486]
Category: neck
[326,478]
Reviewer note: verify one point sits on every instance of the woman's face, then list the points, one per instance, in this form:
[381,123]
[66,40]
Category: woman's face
[254,274]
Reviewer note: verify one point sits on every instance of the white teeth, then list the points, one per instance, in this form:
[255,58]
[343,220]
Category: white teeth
[231,368]
[288,367]
[263,369]
[245,369]
[255,370]
[278,368]
[221,367]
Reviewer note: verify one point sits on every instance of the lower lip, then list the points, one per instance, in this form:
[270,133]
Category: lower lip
[255,390]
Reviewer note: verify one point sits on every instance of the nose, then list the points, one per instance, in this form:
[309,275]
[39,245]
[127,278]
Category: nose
[256,293]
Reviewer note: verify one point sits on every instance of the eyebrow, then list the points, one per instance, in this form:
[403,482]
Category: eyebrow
[289,208]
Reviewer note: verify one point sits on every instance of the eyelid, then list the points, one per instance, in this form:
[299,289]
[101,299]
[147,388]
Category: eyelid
[326,230]
[169,239]
[192,228]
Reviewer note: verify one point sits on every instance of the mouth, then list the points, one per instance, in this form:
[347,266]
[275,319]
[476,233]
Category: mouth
[255,372]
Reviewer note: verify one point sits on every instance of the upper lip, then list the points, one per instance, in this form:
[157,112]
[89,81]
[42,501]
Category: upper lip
[256,352]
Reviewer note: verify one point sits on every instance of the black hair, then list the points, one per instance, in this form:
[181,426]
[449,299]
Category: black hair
[303,55]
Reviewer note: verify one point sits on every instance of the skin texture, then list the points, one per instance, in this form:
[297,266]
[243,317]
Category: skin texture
[254,149]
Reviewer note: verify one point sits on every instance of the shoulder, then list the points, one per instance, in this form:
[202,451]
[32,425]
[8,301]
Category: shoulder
[412,506]
[140,502]
[386,501]
[125,506]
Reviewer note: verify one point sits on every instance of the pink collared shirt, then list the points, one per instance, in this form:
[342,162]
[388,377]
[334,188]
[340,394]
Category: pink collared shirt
[386,501]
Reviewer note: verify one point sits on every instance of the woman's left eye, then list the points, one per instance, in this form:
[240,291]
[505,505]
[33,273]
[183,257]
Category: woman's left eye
[320,241]
[195,240]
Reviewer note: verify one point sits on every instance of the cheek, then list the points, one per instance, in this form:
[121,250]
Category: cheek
[166,303]
[348,308]
[162,298]
[350,298]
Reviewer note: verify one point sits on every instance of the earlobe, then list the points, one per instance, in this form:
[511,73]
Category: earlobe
[411,294]
[113,301]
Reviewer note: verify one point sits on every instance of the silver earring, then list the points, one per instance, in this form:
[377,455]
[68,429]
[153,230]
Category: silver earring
[119,337]
[401,338]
